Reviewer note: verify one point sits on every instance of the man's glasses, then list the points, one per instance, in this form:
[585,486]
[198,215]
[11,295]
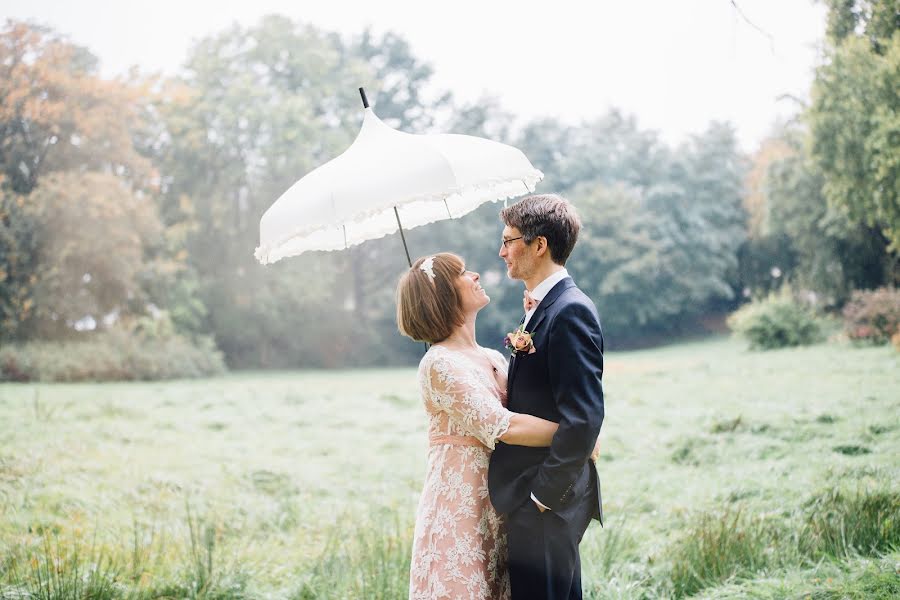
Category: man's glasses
[507,241]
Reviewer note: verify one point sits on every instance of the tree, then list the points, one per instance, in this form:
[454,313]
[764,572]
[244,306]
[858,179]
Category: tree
[98,245]
[835,254]
[399,80]
[256,109]
[855,114]
[618,262]
[56,116]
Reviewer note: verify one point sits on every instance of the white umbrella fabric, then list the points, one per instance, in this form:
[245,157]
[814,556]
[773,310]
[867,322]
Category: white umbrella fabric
[389,180]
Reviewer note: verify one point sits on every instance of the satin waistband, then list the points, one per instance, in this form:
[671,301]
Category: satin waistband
[454,440]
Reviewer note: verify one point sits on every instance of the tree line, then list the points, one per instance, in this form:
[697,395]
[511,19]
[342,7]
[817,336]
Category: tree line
[133,203]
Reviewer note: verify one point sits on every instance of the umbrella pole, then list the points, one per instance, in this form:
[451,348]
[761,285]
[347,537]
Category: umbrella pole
[402,237]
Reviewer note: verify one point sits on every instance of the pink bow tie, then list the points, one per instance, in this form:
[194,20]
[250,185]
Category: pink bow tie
[529,301]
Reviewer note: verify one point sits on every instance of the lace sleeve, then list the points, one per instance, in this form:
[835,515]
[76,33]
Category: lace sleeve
[467,402]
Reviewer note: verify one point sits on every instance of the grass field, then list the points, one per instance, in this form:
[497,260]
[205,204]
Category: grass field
[726,474]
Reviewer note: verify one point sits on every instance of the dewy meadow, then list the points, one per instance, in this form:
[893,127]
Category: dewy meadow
[727,474]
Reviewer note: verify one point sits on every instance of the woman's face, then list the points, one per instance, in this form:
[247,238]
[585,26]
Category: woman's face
[470,292]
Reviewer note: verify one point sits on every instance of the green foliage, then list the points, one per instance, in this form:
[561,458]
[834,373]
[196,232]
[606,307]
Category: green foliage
[660,250]
[18,262]
[113,355]
[873,315]
[830,187]
[776,322]
[814,245]
[855,115]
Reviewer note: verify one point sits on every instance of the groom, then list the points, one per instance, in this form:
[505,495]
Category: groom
[549,495]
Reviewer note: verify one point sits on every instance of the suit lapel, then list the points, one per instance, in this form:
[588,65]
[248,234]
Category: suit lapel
[537,319]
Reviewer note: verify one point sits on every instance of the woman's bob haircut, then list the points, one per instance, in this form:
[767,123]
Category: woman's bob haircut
[430,308]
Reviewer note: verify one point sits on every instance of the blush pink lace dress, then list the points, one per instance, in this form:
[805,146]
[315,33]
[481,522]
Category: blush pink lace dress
[459,549]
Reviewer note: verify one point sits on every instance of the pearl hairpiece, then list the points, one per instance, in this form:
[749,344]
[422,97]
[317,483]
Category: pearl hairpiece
[428,266]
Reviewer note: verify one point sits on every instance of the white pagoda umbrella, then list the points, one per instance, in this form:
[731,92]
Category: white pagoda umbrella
[387,180]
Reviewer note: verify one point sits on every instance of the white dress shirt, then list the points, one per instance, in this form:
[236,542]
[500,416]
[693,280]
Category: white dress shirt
[538,293]
[542,289]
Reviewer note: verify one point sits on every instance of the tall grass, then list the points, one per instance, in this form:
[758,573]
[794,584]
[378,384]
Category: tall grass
[69,568]
[721,546]
[57,570]
[732,545]
[840,525]
[370,559]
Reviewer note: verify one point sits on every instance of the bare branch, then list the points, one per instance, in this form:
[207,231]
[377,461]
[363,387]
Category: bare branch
[755,26]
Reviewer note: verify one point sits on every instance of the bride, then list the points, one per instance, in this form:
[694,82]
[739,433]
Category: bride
[459,548]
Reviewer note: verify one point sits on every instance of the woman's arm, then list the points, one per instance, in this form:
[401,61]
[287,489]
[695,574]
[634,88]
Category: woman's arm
[528,430]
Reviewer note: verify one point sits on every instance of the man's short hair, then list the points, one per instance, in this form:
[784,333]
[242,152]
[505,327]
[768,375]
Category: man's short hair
[428,310]
[547,215]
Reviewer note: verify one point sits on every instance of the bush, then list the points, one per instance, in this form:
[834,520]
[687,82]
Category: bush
[113,355]
[873,316]
[776,322]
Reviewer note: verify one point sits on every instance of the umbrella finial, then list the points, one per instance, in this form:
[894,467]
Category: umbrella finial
[362,93]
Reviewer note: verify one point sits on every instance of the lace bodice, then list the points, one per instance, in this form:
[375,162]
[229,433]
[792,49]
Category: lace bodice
[461,398]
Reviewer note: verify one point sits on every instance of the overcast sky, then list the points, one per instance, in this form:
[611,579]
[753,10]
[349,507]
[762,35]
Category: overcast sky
[676,64]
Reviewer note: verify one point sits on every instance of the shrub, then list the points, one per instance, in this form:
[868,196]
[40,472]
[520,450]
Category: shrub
[776,322]
[113,355]
[873,316]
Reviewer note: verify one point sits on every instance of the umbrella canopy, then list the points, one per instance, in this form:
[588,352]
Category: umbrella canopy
[387,178]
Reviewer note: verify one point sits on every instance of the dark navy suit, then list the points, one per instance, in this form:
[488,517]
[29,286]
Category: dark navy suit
[561,382]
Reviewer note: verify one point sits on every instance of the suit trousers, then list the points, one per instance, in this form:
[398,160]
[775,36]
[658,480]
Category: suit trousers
[544,562]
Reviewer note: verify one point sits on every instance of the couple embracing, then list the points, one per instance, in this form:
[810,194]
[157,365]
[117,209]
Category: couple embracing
[511,485]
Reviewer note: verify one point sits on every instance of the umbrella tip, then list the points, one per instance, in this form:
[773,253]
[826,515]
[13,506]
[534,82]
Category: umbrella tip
[365,100]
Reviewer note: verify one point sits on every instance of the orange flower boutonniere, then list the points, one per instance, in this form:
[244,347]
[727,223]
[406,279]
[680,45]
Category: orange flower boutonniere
[519,341]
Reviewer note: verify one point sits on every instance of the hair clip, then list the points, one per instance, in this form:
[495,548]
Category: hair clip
[428,266]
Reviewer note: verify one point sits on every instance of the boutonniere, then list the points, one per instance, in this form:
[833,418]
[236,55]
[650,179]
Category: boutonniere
[519,341]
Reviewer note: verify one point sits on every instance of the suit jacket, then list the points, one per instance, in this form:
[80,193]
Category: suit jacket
[560,382]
